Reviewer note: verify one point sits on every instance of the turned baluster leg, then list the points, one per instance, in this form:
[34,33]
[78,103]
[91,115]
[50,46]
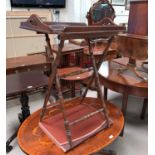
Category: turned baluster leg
[73,89]
[66,122]
[24,99]
[22,116]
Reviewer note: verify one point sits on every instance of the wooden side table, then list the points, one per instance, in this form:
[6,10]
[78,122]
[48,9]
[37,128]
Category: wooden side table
[32,140]
[28,63]
[123,82]
[73,78]
[20,85]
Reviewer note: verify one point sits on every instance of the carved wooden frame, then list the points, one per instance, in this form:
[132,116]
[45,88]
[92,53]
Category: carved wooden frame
[103,21]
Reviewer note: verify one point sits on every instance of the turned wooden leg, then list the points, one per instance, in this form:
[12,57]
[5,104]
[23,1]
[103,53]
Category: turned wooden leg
[105,93]
[145,105]
[24,99]
[22,116]
[73,89]
[8,146]
[124,108]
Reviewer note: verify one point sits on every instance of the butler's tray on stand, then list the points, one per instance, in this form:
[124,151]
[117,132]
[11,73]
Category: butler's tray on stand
[77,119]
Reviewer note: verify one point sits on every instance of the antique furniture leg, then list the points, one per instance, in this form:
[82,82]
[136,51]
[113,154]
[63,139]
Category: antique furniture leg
[86,90]
[50,83]
[24,99]
[124,108]
[66,122]
[52,78]
[105,52]
[105,93]
[98,82]
[22,116]
[145,105]
[8,146]
[49,50]
[72,88]
[79,59]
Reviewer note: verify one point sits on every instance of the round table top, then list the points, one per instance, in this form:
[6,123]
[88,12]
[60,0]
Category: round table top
[33,141]
[126,81]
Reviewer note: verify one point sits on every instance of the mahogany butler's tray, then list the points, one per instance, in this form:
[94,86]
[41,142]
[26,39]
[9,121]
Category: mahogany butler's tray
[72,126]
[33,141]
[54,126]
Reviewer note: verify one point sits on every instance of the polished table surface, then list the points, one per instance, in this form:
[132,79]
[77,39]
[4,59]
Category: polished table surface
[125,82]
[85,73]
[25,82]
[111,77]
[33,141]
[27,63]
[25,75]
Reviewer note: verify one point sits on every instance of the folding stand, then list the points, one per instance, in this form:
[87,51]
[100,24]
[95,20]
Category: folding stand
[68,31]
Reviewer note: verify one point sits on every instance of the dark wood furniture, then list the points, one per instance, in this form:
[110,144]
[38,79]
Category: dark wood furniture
[134,43]
[28,63]
[24,76]
[66,32]
[74,75]
[20,85]
[72,56]
[101,13]
[68,50]
[32,139]
[138,17]
[123,82]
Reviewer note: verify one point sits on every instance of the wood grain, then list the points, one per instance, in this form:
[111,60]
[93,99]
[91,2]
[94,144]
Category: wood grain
[34,142]
[121,82]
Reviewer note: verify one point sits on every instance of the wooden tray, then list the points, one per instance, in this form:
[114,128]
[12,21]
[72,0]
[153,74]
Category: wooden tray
[55,130]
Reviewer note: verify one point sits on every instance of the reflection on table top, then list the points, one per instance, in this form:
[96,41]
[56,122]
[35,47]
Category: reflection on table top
[113,78]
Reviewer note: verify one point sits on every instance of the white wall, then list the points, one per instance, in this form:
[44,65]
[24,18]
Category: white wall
[76,11]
